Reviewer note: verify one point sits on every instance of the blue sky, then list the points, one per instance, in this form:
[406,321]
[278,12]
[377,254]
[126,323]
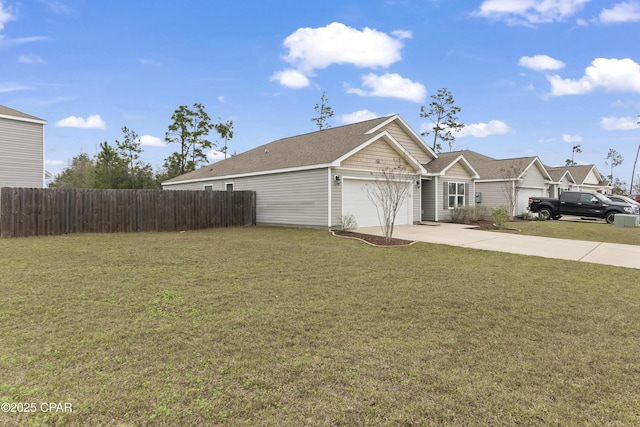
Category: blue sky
[532,77]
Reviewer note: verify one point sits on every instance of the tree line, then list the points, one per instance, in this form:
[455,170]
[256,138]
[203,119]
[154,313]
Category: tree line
[119,165]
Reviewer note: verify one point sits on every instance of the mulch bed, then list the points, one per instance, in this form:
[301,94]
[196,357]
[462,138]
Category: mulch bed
[372,239]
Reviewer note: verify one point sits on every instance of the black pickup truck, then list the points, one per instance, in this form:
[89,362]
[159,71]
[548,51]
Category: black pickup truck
[576,203]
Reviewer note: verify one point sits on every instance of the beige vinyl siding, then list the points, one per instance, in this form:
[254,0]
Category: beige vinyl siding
[533,178]
[377,155]
[408,143]
[458,171]
[291,198]
[21,153]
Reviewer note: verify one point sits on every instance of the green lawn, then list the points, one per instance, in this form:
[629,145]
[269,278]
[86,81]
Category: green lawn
[596,231]
[275,326]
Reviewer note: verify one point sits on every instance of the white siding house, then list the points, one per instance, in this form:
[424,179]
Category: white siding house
[21,149]
[317,178]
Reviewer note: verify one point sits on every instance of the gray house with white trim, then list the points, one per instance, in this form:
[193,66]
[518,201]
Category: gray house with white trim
[21,149]
[317,178]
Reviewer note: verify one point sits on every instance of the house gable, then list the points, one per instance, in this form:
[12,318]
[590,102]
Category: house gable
[380,152]
[409,140]
[21,149]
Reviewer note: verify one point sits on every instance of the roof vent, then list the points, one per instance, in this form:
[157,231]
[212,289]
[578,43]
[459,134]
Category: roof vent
[266,151]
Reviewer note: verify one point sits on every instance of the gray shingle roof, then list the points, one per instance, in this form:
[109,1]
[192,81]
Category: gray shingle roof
[316,148]
[6,111]
[490,168]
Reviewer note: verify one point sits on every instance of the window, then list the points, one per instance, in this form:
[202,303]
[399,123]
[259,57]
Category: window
[208,188]
[229,186]
[456,195]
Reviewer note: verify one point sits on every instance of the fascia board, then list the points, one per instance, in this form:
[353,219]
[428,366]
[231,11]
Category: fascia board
[248,174]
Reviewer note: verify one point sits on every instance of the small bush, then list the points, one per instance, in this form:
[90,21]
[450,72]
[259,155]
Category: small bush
[527,216]
[347,222]
[462,215]
[482,212]
[468,214]
[500,216]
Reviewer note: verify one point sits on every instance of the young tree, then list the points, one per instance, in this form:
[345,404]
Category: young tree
[388,193]
[79,174]
[325,112]
[614,159]
[443,113]
[110,168]
[129,150]
[190,129]
[225,130]
[576,149]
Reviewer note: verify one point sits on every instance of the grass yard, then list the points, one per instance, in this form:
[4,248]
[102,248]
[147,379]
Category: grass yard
[275,326]
[595,231]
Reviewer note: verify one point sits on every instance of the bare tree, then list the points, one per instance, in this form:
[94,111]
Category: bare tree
[614,159]
[388,192]
[510,187]
[575,149]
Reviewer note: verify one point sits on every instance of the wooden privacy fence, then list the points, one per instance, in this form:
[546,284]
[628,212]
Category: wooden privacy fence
[36,211]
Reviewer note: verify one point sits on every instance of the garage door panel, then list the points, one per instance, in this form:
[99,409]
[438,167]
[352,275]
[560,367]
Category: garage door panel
[356,203]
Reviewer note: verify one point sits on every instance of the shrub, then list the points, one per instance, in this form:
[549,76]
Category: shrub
[347,222]
[500,216]
[468,214]
[462,215]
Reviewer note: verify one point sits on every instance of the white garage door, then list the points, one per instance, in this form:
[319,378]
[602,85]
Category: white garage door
[523,198]
[356,203]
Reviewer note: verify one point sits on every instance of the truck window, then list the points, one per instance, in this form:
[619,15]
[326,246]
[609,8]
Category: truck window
[570,197]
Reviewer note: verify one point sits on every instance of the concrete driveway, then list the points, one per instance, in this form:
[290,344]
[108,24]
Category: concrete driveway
[462,235]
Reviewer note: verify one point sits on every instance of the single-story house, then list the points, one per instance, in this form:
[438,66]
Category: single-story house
[21,149]
[317,178]
[588,178]
[502,181]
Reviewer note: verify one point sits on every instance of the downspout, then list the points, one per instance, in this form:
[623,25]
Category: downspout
[329,197]
[436,197]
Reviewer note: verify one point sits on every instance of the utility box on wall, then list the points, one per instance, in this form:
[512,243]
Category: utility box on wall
[478,197]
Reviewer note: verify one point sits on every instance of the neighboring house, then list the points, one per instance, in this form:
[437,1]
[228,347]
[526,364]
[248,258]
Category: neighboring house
[561,181]
[502,181]
[317,178]
[587,178]
[21,149]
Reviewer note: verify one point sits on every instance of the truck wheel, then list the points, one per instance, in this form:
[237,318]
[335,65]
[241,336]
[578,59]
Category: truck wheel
[610,217]
[545,213]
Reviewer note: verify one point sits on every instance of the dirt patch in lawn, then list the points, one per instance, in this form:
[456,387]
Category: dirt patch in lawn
[372,239]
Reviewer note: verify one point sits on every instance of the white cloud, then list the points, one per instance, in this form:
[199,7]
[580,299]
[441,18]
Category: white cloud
[610,75]
[30,59]
[221,99]
[482,130]
[152,141]
[291,78]
[618,123]
[5,16]
[390,85]
[92,122]
[540,63]
[358,116]
[628,11]
[571,138]
[317,48]
[12,87]
[530,12]
[215,156]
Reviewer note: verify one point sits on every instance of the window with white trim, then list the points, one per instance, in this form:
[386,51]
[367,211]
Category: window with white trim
[208,187]
[456,195]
